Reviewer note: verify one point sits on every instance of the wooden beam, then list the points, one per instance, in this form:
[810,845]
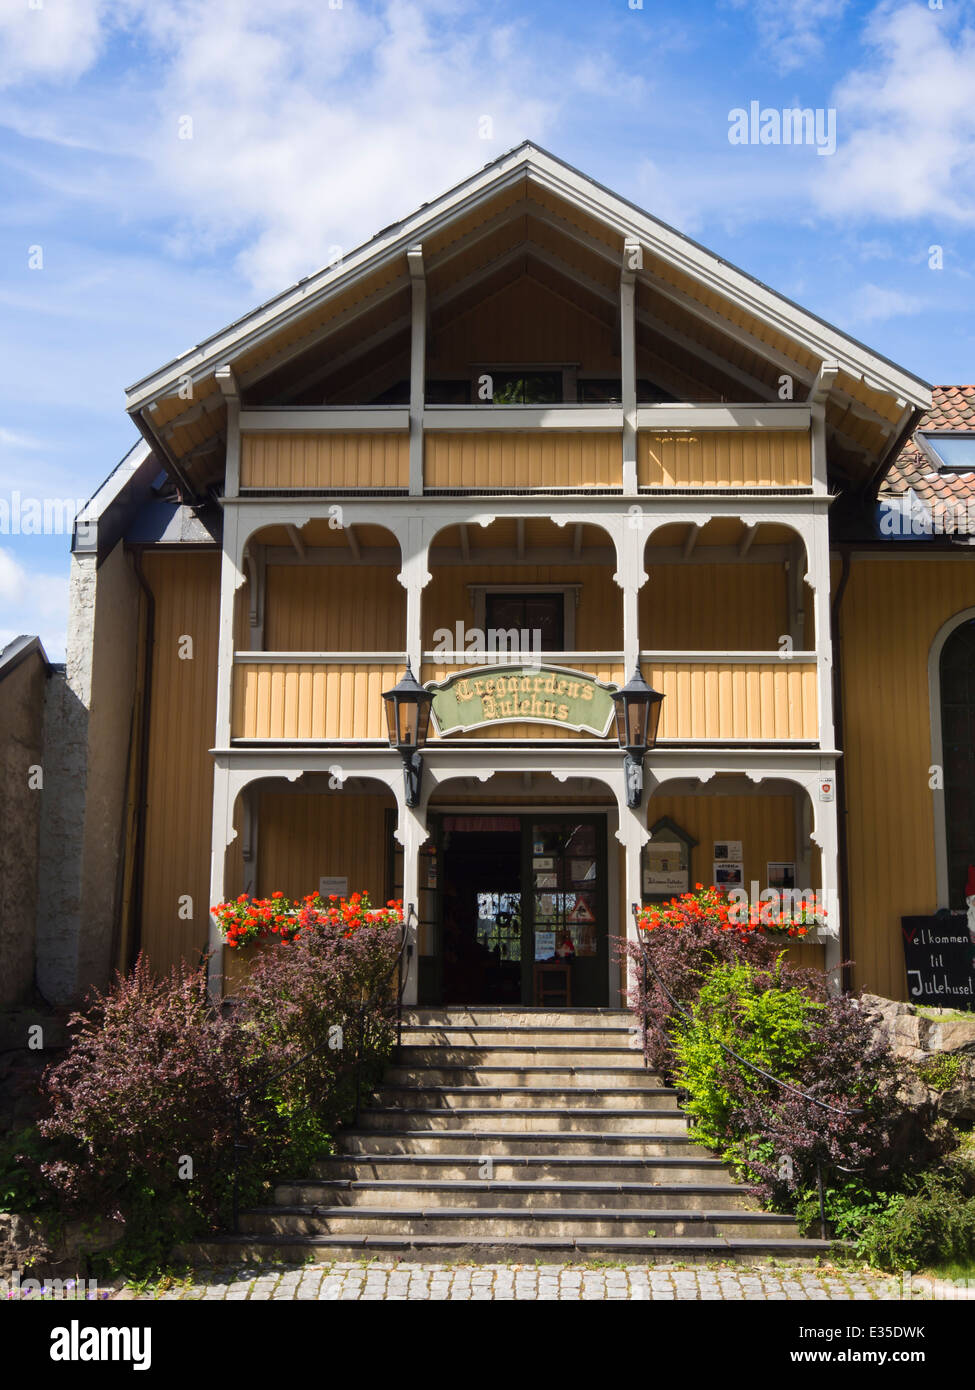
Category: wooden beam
[296,541]
[747,539]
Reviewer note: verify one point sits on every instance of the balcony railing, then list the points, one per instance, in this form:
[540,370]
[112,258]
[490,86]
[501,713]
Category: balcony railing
[711,697]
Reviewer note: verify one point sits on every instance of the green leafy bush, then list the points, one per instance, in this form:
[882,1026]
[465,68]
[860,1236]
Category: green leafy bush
[740,1006]
[940,1071]
[931,1224]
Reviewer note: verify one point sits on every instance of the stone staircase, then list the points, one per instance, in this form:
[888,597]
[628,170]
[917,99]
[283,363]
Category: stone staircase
[516,1135]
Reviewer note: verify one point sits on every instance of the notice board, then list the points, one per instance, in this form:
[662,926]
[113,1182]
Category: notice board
[940,960]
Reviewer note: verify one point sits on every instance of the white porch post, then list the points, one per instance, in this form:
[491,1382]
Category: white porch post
[222,833]
[414,576]
[632,260]
[630,575]
[826,836]
[411,831]
[632,835]
[418,357]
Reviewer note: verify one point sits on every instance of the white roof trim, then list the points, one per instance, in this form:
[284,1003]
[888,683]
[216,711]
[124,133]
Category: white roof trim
[116,483]
[819,338]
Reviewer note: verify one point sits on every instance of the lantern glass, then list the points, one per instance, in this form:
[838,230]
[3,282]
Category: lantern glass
[407,713]
[637,714]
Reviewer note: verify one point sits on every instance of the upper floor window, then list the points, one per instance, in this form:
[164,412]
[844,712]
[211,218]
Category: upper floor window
[543,613]
[950,452]
[526,388]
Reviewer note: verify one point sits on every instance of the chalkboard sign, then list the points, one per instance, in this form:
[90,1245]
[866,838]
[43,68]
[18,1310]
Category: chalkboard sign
[940,960]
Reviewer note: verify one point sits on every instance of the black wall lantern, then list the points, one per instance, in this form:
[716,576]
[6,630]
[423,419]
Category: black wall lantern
[637,717]
[408,719]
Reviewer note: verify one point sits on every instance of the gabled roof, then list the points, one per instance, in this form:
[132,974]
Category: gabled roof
[746,332]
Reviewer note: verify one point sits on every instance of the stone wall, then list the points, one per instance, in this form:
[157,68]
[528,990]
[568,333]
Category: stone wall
[922,1039]
[87,728]
[22,692]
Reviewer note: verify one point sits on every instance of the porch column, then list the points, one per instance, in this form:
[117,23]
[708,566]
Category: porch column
[632,260]
[411,831]
[414,577]
[222,833]
[817,539]
[826,836]
[231,578]
[632,835]
[630,576]
[418,356]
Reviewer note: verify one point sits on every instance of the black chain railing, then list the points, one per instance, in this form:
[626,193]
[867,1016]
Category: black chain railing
[678,1007]
[352,1065]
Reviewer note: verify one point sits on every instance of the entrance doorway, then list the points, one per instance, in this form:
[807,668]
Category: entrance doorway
[516,891]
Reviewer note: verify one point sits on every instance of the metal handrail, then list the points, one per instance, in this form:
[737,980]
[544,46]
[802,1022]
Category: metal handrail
[647,959]
[237,1099]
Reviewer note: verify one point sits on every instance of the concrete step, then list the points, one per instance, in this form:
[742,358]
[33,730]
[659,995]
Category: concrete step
[693,1168]
[491,1141]
[606,1078]
[249,1249]
[504,1035]
[486,1015]
[406,1191]
[649,1098]
[527,1055]
[522,1119]
[510,1223]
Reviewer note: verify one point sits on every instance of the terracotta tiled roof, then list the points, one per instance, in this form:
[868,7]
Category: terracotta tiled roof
[953,408]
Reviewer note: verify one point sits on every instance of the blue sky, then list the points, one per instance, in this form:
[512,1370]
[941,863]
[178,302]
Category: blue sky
[314,123]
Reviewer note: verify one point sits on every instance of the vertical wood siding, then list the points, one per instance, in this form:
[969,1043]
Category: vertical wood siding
[326,460]
[736,700]
[180,781]
[307,700]
[724,458]
[700,607]
[334,608]
[337,833]
[891,613]
[510,458]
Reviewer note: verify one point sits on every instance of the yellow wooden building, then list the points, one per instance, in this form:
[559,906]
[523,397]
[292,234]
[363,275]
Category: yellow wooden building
[531,441]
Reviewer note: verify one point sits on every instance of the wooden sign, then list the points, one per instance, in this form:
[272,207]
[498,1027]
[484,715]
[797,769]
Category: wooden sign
[940,960]
[525,694]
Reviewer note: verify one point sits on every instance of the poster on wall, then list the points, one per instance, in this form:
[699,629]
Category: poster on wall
[544,945]
[333,887]
[728,874]
[728,849]
[781,874]
[665,868]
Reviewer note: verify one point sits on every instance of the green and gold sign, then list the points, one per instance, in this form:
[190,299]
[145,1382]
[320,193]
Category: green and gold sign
[522,694]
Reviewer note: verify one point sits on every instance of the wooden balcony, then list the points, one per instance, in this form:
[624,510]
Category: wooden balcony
[743,697]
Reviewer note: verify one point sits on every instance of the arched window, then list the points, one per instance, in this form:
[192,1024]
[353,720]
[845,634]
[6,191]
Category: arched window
[956,680]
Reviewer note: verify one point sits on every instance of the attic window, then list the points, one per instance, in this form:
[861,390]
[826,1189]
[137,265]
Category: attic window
[952,453]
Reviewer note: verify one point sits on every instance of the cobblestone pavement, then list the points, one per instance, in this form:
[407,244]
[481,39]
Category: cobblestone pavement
[401,1281]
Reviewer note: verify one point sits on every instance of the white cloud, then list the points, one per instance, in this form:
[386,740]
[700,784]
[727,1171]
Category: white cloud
[906,121]
[793,32]
[33,604]
[874,303]
[57,40]
[308,123]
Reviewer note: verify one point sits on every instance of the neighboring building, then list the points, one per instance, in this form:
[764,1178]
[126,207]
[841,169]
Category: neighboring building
[528,406]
